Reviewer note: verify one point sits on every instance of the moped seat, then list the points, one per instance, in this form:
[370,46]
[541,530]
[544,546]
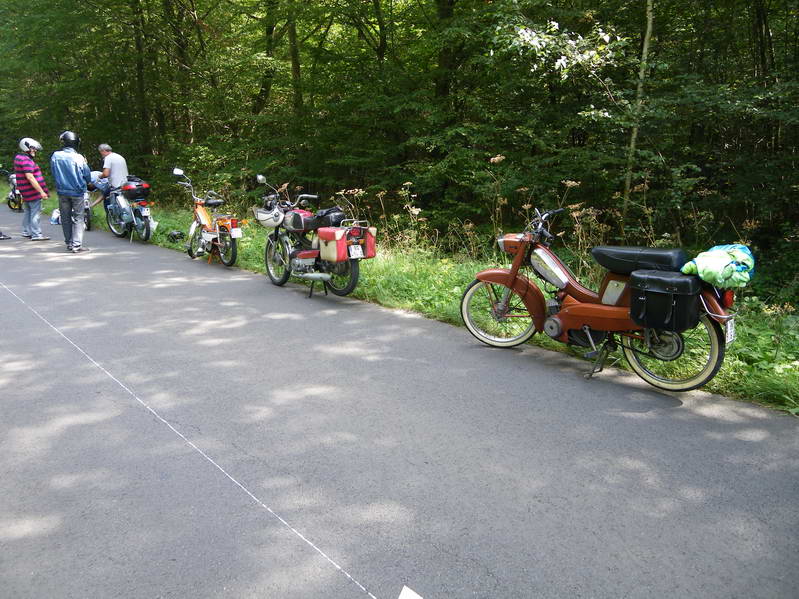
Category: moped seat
[214,203]
[623,260]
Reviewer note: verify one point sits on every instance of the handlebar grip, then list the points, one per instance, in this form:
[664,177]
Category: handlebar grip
[212,194]
[556,211]
[307,196]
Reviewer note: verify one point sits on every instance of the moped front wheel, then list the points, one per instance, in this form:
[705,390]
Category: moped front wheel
[87,218]
[496,314]
[116,227]
[277,260]
[195,246]
[344,277]
[227,247]
[677,361]
[14,202]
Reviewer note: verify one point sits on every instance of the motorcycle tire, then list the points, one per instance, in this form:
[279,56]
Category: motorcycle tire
[478,310]
[194,246]
[15,203]
[677,361]
[87,218]
[144,232]
[345,277]
[276,259]
[228,250]
[117,228]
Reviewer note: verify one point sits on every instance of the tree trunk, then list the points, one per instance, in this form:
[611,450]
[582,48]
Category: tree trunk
[639,101]
[447,55]
[141,91]
[176,22]
[268,76]
[296,81]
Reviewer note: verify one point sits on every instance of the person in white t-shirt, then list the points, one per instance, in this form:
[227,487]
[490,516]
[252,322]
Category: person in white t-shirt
[115,169]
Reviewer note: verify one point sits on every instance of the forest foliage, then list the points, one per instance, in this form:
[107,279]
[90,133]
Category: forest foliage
[469,111]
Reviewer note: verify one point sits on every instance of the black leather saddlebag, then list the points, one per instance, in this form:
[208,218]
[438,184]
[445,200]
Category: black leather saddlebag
[667,301]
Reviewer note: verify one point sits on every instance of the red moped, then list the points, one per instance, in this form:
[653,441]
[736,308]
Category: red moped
[672,328]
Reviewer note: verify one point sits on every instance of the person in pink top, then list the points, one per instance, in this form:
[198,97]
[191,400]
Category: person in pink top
[32,187]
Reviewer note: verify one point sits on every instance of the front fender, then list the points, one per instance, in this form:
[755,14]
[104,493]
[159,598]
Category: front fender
[192,229]
[529,292]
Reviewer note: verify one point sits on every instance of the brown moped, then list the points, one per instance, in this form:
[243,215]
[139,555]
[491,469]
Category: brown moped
[672,328]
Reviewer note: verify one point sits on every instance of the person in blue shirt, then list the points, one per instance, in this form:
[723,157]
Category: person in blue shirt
[72,175]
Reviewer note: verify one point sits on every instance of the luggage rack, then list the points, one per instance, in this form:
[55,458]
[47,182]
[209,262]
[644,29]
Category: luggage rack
[351,222]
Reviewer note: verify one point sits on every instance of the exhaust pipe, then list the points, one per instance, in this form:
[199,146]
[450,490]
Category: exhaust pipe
[313,276]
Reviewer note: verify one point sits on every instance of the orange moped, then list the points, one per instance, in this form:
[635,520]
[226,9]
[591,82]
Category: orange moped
[210,233]
[672,328]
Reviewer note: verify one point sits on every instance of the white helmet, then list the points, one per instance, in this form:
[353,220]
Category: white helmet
[28,143]
[268,218]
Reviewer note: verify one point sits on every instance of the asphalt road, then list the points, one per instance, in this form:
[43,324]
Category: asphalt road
[171,428]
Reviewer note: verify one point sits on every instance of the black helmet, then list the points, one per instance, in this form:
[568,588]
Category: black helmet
[69,139]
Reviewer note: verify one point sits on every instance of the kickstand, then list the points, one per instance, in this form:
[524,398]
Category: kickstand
[601,355]
[310,293]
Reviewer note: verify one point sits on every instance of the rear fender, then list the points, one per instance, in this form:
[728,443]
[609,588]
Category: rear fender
[529,292]
[713,307]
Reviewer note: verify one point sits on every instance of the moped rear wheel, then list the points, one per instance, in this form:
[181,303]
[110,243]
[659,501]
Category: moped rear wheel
[144,231]
[496,314]
[677,361]
[227,247]
[344,277]
[276,259]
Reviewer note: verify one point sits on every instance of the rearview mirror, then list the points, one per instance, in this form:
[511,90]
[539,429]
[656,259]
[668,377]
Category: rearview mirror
[261,179]
[178,172]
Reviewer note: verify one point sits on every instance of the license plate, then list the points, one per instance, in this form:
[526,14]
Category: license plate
[145,212]
[356,251]
[235,233]
[730,333]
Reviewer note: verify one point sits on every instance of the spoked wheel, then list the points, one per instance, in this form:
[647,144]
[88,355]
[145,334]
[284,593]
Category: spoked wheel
[144,231]
[15,202]
[227,247]
[195,245]
[118,228]
[276,259]
[677,361]
[496,314]
[344,277]
[87,218]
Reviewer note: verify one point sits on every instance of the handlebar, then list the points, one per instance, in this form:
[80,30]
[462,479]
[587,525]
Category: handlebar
[537,227]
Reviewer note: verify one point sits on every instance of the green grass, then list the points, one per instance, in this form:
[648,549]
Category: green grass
[762,365]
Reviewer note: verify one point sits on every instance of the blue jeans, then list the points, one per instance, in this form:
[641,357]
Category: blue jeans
[71,220]
[30,219]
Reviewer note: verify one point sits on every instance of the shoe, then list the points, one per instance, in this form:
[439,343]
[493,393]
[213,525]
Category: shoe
[69,249]
[39,238]
[80,249]
[4,236]
[26,235]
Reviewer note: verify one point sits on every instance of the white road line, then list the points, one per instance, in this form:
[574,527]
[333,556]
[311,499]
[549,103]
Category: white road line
[195,448]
